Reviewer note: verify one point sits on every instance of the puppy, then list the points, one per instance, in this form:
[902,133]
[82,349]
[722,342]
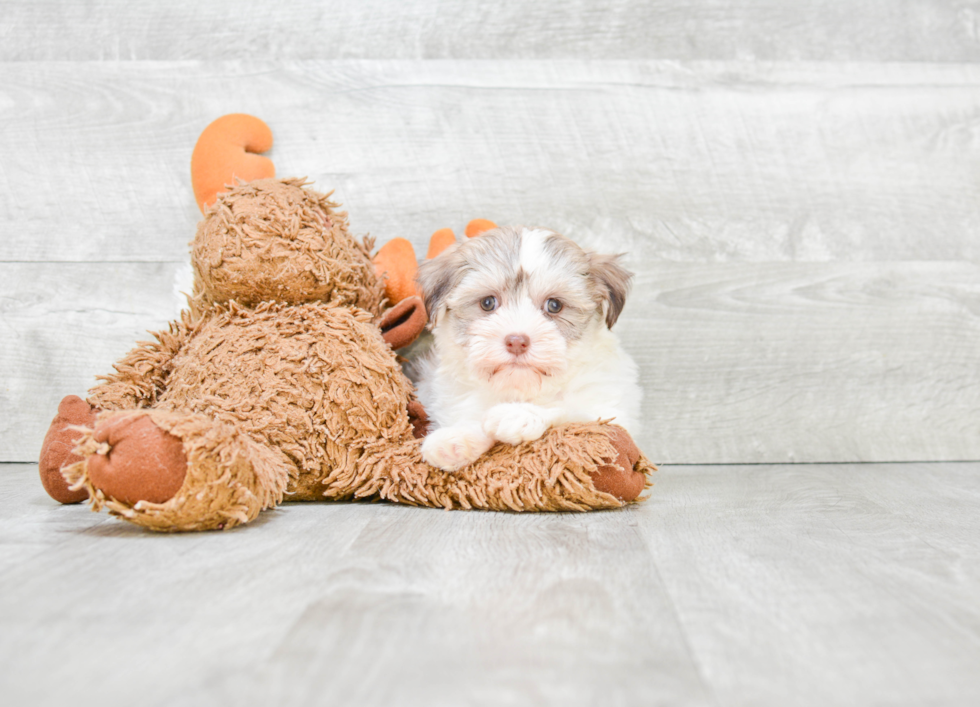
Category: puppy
[522,323]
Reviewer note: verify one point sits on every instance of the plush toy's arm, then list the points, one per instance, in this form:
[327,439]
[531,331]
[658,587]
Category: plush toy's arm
[574,467]
[141,375]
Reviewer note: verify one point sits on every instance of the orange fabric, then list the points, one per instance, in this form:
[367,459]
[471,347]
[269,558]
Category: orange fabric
[402,324]
[620,478]
[441,239]
[138,461]
[56,450]
[226,151]
[396,263]
[478,226]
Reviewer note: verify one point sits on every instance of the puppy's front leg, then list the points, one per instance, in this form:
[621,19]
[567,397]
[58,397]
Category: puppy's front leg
[451,448]
[514,423]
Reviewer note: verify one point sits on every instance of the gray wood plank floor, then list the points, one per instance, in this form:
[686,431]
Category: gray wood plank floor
[746,585]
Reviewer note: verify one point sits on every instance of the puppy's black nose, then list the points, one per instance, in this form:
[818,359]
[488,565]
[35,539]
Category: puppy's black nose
[517,343]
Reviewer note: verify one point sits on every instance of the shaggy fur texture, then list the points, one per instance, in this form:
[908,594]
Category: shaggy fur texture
[272,240]
[273,398]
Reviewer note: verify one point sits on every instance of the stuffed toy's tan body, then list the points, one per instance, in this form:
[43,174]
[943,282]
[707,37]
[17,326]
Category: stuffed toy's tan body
[278,384]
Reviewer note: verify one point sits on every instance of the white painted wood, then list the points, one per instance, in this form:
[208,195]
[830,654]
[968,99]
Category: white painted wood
[741,362]
[871,30]
[62,324]
[751,585]
[803,230]
[798,362]
[690,162]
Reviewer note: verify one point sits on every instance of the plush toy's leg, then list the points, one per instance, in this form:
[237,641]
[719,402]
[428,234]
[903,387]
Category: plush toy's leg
[574,467]
[56,450]
[172,471]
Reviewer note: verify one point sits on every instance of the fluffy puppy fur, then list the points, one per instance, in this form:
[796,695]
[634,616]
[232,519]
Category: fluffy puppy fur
[522,324]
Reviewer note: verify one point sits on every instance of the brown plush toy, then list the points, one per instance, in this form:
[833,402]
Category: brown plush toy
[280,382]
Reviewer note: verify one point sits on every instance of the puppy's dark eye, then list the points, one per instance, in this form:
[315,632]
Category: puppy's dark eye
[553,306]
[488,304]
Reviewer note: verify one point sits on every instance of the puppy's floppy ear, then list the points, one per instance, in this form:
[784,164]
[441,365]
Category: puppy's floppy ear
[612,282]
[436,279]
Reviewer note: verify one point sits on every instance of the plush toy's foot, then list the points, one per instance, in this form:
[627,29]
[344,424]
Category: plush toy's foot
[56,450]
[173,471]
[620,478]
[137,461]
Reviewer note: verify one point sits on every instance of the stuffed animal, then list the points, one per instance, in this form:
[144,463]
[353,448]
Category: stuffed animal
[280,382]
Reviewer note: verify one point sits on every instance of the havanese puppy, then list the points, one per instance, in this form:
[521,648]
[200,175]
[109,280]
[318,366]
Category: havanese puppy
[522,323]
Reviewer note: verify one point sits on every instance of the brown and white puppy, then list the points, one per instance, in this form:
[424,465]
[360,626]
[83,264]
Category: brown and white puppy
[522,324]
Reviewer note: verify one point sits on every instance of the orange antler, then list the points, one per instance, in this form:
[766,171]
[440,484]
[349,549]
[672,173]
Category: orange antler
[444,237]
[396,259]
[478,226]
[440,240]
[396,263]
[226,151]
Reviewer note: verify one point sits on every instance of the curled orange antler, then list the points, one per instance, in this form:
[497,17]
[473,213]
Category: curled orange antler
[226,151]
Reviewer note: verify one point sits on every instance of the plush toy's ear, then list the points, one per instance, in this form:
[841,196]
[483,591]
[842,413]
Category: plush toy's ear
[225,152]
[402,324]
[613,283]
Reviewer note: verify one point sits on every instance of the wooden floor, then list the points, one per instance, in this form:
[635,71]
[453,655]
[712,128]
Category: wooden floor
[746,585]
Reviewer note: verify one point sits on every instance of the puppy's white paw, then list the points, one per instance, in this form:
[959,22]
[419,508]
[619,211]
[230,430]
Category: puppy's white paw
[451,448]
[514,423]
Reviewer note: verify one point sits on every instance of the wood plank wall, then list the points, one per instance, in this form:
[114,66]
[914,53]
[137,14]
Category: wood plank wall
[796,185]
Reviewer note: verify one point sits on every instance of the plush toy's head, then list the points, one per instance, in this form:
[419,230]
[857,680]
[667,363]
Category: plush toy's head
[270,239]
[274,239]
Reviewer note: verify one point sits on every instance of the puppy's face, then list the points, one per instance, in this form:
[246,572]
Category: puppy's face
[513,300]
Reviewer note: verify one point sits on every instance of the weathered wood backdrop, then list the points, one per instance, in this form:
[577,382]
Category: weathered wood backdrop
[796,183]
